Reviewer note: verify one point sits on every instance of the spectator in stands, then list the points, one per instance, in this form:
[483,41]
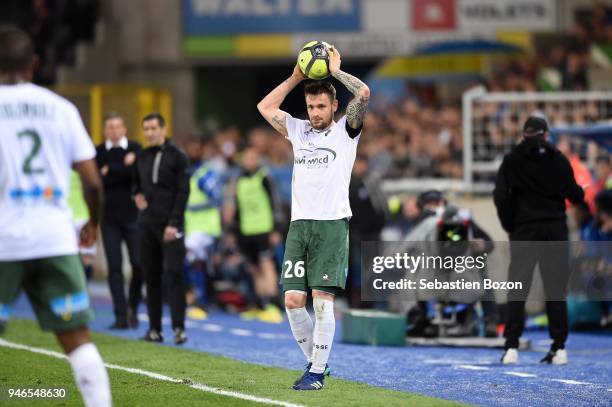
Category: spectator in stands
[582,174]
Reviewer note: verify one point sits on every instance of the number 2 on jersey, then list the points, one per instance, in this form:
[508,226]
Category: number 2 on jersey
[27,163]
[298,269]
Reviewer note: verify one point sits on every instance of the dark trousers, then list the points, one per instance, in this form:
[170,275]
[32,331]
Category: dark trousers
[113,233]
[163,266]
[545,244]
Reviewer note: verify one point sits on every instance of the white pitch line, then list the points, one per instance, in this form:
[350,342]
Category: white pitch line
[157,376]
[520,374]
[454,362]
[472,367]
[212,327]
[566,381]
[241,332]
[265,335]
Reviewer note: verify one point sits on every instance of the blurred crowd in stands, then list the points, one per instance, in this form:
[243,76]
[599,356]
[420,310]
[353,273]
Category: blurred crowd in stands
[56,26]
[418,136]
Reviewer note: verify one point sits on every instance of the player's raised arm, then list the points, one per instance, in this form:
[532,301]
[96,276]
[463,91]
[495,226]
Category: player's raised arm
[356,109]
[269,107]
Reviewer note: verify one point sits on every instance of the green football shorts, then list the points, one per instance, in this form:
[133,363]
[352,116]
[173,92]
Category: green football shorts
[55,286]
[316,255]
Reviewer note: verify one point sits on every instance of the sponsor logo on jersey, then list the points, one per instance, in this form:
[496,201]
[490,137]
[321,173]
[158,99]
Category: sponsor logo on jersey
[47,193]
[320,157]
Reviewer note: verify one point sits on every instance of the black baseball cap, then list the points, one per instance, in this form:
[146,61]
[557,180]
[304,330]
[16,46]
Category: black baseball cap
[428,197]
[535,126]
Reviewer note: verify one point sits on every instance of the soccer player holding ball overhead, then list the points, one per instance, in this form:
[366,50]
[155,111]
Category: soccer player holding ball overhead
[316,251]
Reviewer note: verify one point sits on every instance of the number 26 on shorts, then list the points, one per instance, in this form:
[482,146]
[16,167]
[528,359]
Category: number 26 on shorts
[294,270]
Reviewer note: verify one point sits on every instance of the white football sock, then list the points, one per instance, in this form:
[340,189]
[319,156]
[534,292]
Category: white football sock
[301,326]
[323,337]
[90,375]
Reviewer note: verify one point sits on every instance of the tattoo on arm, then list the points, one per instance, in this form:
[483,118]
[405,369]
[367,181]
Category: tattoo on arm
[352,83]
[279,124]
[356,110]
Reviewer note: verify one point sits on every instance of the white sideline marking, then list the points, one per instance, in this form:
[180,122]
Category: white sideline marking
[157,376]
[212,327]
[569,381]
[454,362]
[520,374]
[472,367]
[241,332]
[264,335]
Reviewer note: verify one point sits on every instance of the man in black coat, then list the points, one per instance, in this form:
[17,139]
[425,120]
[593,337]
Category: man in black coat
[115,158]
[532,185]
[161,190]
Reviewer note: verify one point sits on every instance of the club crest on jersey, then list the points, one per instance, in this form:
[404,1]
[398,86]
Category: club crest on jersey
[315,158]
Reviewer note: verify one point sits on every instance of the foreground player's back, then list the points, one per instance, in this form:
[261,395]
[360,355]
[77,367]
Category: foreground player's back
[42,136]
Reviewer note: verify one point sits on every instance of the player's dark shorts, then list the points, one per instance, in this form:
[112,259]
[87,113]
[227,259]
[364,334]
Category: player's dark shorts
[316,255]
[55,286]
[255,247]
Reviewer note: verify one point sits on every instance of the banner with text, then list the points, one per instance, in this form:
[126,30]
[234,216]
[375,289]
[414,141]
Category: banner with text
[206,17]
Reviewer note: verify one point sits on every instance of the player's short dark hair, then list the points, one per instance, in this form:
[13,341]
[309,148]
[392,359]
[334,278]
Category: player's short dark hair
[112,115]
[155,116]
[16,50]
[319,87]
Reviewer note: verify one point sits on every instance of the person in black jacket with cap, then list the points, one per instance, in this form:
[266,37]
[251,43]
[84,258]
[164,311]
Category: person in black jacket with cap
[532,185]
[161,190]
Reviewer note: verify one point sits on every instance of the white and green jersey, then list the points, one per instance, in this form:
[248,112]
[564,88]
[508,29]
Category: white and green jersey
[42,136]
[322,165]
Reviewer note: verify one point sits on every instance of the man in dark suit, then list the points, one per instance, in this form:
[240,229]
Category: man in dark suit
[532,185]
[115,158]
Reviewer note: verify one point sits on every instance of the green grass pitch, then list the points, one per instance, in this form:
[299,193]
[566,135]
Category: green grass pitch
[23,369]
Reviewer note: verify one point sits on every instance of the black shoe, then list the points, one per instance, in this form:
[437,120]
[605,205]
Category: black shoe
[119,325]
[132,318]
[153,336]
[179,336]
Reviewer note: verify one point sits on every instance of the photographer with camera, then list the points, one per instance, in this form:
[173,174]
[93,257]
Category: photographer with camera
[440,222]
